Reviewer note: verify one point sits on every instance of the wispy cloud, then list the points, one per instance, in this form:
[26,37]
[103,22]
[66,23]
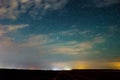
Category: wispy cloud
[69,32]
[69,47]
[78,47]
[10,28]
[6,41]
[9,9]
[39,45]
[72,32]
[53,46]
[34,47]
[38,40]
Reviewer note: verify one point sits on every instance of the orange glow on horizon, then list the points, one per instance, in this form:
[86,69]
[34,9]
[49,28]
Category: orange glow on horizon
[115,65]
[81,65]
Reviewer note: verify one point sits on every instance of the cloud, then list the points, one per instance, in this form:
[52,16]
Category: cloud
[104,3]
[36,47]
[69,32]
[55,4]
[13,8]
[10,28]
[38,40]
[6,41]
[84,32]
[8,8]
[73,32]
[29,54]
[74,47]
[70,47]
[44,44]
[16,27]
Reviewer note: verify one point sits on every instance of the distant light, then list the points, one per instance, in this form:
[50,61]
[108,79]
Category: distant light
[67,68]
[56,69]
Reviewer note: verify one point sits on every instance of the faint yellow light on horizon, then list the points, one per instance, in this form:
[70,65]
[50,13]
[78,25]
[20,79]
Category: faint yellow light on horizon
[115,65]
[81,66]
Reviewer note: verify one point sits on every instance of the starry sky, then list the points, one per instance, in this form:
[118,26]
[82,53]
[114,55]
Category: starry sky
[60,34]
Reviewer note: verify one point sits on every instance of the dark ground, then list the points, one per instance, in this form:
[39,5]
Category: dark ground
[12,74]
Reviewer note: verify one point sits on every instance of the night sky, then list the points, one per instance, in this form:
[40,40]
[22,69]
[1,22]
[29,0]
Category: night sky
[60,34]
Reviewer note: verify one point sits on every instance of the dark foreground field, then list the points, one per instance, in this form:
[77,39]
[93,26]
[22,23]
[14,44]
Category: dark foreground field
[7,74]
